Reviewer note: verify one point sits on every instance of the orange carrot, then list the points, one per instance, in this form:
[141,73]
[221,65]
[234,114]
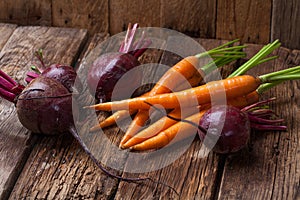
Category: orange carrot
[167,122]
[123,114]
[137,123]
[232,87]
[166,136]
[183,70]
[176,76]
[158,126]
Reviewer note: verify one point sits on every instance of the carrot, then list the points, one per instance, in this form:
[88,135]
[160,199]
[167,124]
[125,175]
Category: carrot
[232,87]
[167,122]
[158,126]
[123,114]
[166,136]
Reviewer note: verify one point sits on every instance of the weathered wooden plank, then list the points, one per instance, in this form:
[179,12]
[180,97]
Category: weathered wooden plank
[269,168]
[246,20]
[60,45]
[285,23]
[6,30]
[190,175]
[33,12]
[146,13]
[196,18]
[91,15]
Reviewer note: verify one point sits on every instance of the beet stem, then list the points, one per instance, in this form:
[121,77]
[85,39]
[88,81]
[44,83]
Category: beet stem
[73,131]
[39,56]
[265,121]
[258,104]
[7,95]
[6,84]
[8,78]
[263,127]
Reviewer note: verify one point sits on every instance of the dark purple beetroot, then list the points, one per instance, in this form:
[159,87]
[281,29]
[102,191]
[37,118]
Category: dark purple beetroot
[45,106]
[108,69]
[106,72]
[65,74]
[235,131]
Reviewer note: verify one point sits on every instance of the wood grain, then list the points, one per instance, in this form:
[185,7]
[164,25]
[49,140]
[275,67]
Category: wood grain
[91,15]
[196,18]
[286,23]
[246,20]
[269,168]
[6,30]
[60,45]
[32,12]
[146,13]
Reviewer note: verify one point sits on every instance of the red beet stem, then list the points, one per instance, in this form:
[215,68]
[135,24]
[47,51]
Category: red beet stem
[264,121]
[9,88]
[247,108]
[264,127]
[30,76]
[8,78]
[7,95]
[6,84]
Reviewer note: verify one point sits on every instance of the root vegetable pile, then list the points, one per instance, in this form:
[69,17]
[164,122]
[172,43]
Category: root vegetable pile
[241,90]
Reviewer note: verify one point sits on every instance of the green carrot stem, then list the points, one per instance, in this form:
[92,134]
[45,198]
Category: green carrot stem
[267,59]
[282,78]
[218,62]
[226,44]
[282,75]
[219,51]
[266,50]
[267,86]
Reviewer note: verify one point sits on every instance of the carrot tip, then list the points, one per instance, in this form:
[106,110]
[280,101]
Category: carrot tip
[89,107]
[95,128]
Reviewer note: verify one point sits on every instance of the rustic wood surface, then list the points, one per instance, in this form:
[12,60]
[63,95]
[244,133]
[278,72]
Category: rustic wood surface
[285,23]
[146,13]
[91,15]
[252,20]
[247,20]
[26,13]
[6,30]
[187,16]
[60,45]
[40,167]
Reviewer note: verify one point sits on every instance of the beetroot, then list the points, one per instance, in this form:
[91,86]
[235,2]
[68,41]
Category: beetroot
[228,128]
[45,106]
[235,131]
[106,71]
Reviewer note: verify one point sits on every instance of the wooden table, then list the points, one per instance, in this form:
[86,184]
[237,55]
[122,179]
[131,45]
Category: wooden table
[40,167]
